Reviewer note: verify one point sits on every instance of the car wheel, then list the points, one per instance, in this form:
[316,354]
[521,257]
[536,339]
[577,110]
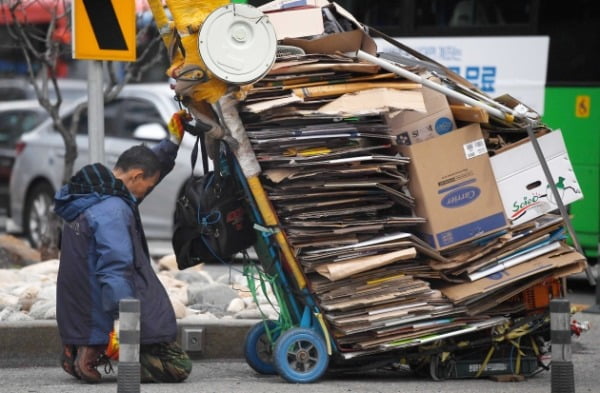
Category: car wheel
[36,216]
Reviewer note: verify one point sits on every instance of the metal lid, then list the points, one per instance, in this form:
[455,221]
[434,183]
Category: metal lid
[237,43]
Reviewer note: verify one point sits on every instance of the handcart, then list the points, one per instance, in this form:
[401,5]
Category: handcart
[301,345]
[300,348]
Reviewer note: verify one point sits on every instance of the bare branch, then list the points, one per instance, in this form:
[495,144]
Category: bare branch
[134,71]
[41,52]
[148,58]
[29,39]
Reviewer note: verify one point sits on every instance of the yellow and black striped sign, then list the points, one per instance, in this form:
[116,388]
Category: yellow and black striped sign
[104,30]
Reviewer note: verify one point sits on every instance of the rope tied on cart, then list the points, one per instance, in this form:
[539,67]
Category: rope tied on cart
[267,230]
[253,273]
[513,335]
[210,218]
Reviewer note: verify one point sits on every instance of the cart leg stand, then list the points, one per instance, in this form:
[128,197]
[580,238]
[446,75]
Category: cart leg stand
[561,368]
[559,202]
[595,309]
[128,378]
[229,117]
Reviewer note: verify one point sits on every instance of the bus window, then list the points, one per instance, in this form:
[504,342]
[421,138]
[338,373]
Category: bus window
[482,12]
[574,41]
[446,17]
[481,17]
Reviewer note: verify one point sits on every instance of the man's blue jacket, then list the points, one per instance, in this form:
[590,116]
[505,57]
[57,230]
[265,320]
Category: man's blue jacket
[104,258]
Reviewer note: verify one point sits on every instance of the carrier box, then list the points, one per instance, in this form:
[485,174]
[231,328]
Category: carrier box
[412,127]
[523,186]
[296,20]
[452,180]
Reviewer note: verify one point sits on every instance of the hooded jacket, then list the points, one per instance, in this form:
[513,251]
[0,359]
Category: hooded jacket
[104,258]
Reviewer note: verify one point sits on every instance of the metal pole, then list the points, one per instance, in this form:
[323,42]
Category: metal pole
[95,112]
[557,198]
[595,309]
[508,114]
[561,368]
[128,378]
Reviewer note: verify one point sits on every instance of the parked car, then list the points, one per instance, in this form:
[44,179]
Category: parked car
[138,115]
[12,89]
[15,119]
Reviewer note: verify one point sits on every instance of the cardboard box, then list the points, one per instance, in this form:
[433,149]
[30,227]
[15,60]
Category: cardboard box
[277,5]
[297,22]
[412,127]
[290,30]
[452,180]
[523,186]
[556,262]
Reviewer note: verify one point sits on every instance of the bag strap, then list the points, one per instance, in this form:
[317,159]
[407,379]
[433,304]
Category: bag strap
[175,46]
[194,155]
[229,158]
[199,129]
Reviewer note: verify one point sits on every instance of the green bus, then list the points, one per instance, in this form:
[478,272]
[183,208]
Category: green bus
[557,44]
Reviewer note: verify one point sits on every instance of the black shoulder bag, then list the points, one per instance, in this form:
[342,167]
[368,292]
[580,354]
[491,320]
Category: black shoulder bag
[211,220]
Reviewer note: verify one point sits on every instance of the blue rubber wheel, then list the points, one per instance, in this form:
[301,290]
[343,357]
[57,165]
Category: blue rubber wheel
[258,349]
[300,355]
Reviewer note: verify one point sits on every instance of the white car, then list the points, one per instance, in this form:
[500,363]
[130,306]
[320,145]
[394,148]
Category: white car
[15,89]
[16,118]
[139,115]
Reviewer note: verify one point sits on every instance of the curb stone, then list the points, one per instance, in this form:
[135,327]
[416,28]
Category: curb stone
[37,343]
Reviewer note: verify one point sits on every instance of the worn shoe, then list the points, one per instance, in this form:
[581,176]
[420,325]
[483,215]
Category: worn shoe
[86,361]
[67,360]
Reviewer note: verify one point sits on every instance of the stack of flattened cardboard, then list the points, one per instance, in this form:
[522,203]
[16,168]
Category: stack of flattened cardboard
[494,269]
[340,191]
[386,192]
[330,174]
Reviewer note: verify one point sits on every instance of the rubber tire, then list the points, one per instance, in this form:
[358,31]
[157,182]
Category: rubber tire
[300,342]
[257,348]
[39,198]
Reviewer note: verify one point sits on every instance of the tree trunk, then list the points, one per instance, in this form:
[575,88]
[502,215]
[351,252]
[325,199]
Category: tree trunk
[50,243]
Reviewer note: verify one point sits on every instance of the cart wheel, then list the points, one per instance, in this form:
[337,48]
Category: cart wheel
[420,368]
[258,349]
[301,355]
[439,370]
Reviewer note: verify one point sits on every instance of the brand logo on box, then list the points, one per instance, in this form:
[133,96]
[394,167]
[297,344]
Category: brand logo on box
[520,208]
[461,197]
[443,125]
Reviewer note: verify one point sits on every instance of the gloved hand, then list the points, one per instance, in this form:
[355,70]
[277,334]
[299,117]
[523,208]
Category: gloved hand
[112,349]
[176,126]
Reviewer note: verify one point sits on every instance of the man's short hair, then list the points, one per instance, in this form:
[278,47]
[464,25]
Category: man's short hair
[139,157]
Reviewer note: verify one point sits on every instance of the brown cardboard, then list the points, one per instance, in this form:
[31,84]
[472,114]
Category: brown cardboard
[412,127]
[373,101]
[455,190]
[348,41]
[553,261]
